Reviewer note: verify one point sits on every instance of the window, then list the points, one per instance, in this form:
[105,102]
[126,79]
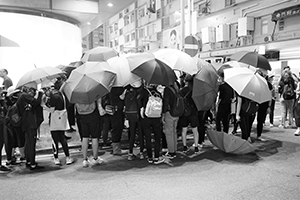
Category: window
[126,20]
[229,2]
[111,44]
[127,38]
[132,36]
[115,26]
[141,13]
[120,15]
[264,27]
[132,17]
[111,29]
[121,31]
[141,33]
[116,42]
[281,25]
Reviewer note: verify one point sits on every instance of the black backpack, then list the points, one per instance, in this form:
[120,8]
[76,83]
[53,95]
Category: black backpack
[249,107]
[131,109]
[13,116]
[288,92]
[178,107]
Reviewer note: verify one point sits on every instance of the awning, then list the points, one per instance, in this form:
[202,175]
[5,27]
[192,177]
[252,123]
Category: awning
[286,13]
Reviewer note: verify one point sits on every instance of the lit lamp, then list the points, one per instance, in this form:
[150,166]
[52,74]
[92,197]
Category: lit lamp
[262,49]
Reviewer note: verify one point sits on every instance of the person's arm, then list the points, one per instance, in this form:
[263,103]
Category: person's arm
[238,108]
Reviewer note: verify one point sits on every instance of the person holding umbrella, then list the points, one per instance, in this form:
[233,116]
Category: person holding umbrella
[28,107]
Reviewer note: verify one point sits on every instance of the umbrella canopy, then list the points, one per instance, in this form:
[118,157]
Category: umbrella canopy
[66,68]
[39,75]
[177,60]
[89,82]
[124,76]
[229,143]
[252,58]
[99,54]
[248,84]
[205,87]
[150,69]
[233,64]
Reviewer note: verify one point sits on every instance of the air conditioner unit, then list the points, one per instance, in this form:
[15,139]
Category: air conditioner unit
[268,38]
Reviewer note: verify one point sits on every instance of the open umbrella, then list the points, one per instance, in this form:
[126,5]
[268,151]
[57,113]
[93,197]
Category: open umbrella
[99,54]
[205,87]
[120,66]
[76,63]
[248,84]
[177,60]
[233,64]
[38,75]
[89,82]
[150,69]
[252,58]
[229,143]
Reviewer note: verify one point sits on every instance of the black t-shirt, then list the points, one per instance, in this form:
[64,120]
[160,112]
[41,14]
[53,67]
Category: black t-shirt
[226,93]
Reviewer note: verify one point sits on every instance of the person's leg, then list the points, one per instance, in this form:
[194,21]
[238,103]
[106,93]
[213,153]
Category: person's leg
[95,144]
[105,128]
[261,115]
[64,143]
[244,128]
[218,119]
[284,112]
[146,123]
[225,118]
[156,125]
[196,136]
[290,105]
[55,140]
[201,126]
[116,132]
[170,131]
[132,131]
[271,114]
[8,141]
[84,146]
[32,146]
[1,142]
[183,136]
[141,136]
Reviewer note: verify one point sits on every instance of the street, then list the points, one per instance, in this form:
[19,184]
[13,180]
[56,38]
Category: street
[271,172]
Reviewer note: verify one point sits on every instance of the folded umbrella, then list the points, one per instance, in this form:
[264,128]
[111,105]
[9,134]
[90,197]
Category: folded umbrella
[205,87]
[99,54]
[248,84]
[150,69]
[177,60]
[39,75]
[252,58]
[89,82]
[229,143]
[120,66]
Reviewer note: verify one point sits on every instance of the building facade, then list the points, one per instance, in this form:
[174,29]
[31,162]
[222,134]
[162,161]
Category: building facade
[223,27]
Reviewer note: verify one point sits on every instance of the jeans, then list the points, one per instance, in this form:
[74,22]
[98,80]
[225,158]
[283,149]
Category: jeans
[261,116]
[271,114]
[171,132]
[246,125]
[152,125]
[117,126]
[133,126]
[287,109]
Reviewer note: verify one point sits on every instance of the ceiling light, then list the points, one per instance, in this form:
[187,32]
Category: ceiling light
[110,5]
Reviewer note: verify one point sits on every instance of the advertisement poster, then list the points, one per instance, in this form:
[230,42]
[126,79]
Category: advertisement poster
[171,38]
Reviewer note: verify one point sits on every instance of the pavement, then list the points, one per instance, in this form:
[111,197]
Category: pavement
[270,172]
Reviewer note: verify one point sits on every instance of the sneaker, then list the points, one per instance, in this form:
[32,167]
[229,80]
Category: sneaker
[261,139]
[85,163]
[130,156]
[141,155]
[11,162]
[164,150]
[97,161]
[150,160]
[249,140]
[196,150]
[281,126]
[56,161]
[69,161]
[4,169]
[36,167]
[170,155]
[157,161]
[271,125]
[22,159]
[185,149]
[297,132]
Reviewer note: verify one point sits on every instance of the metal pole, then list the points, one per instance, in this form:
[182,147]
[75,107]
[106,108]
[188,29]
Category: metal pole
[182,5]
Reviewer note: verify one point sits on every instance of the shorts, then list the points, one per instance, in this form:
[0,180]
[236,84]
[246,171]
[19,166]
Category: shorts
[90,125]
[186,120]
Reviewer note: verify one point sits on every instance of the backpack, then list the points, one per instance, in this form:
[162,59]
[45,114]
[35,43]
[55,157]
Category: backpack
[13,116]
[178,107]
[154,105]
[288,92]
[131,109]
[249,107]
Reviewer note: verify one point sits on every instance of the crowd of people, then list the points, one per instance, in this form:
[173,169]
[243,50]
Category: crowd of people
[149,110]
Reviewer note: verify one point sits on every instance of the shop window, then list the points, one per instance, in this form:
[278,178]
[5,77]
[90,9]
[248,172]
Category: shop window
[281,25]
[264,27]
